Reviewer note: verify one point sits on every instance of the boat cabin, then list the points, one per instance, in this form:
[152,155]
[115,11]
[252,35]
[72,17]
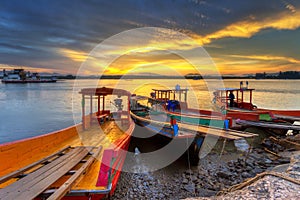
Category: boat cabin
[171,98]
[101,114]
[227,98]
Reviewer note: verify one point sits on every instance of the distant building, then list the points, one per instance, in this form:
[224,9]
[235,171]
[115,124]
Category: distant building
[289,75]
[261,75]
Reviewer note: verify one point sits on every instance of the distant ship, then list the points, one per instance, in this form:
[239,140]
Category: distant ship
[20,76]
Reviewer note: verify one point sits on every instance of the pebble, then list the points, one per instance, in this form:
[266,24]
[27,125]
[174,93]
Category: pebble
[206,180]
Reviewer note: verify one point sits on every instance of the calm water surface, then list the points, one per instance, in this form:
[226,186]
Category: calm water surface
[32,109]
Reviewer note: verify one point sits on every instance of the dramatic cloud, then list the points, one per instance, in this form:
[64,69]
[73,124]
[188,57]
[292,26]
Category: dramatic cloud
[58,35]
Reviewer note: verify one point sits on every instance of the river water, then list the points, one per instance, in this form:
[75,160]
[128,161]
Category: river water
[28,110]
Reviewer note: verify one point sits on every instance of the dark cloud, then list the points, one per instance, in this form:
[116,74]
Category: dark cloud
[32,31]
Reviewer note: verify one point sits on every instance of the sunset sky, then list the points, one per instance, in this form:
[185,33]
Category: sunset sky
[241,37]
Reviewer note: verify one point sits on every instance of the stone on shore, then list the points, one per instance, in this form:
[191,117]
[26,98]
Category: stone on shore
[268,187]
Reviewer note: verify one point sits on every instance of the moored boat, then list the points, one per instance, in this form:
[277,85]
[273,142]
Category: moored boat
[173,102]
[234,100]
[187,131]
[80,162]
[20,76]
[233,103]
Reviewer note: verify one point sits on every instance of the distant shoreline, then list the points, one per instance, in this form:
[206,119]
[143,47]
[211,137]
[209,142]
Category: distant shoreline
[287,75]
[166,78]
[177,77]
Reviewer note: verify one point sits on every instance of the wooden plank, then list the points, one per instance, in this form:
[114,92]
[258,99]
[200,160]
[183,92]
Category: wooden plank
[34,175]
[242,134]
[46,181]
[66,187]
[20,171]
[268,125]
[209,131]
[36,182]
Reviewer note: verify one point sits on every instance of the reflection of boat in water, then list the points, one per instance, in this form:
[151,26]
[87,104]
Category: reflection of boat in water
[180,126]
[20,76]
[81,162]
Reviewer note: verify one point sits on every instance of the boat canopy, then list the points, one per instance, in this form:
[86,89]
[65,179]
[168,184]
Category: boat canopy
[99,94]
[104,91]
[222,97]
[170,94]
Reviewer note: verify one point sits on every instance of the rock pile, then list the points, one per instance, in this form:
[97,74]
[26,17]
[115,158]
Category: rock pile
[270,187]
[206,180]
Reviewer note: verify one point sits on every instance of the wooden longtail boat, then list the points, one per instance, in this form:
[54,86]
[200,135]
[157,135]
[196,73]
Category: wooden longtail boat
[232,102]
[80,162]
[190,131]
[174,104]
[234,99]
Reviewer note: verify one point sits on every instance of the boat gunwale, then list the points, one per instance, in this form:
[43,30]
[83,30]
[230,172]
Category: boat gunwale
[40,136]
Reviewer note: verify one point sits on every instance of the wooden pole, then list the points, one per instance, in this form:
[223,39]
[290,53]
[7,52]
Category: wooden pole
[237,97]
[226,99]
[103,104]
[98,106]
[91,108]
[179,95]
[242,96]
[128,104]
[251,96]
[83,111]
[91,104]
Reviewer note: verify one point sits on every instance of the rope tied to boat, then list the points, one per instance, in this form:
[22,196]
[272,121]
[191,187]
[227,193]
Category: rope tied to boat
[257,177]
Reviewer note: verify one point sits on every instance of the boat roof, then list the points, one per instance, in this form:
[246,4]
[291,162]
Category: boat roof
[235,89]
[104,91]
[170,90]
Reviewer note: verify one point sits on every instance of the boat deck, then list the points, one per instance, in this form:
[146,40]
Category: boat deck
[56,164]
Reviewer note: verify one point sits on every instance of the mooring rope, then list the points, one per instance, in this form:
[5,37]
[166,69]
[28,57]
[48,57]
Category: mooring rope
[189,164]
[257,177]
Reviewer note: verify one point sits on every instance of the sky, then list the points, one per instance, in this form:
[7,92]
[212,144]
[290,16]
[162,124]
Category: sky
[240,37]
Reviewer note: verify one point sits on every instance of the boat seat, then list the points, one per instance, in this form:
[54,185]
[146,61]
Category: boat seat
[48,171]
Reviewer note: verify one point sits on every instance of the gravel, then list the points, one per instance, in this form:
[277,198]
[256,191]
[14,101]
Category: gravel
[177,181]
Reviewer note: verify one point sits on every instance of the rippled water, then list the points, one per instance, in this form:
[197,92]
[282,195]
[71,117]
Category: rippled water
[32,109]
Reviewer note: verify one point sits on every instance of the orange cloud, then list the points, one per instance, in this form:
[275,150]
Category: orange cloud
[77,56]
[248,28]
[269,58]
[150,63]
[241,64]
[143,55]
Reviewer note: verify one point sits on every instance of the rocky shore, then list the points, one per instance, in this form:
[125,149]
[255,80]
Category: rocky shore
[179,180]
[269,185]
[206,180]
